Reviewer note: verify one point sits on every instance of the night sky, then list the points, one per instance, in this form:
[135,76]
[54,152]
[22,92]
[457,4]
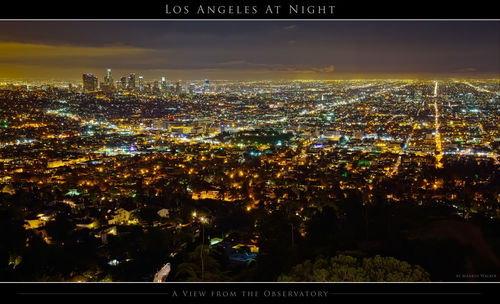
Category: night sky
[248,49]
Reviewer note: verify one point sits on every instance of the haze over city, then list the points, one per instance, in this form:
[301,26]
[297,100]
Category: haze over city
[245,50]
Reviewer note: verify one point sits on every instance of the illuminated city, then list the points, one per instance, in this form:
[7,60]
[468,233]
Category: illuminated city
[129,176]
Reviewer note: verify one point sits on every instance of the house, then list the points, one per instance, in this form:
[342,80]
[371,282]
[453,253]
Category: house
[40,220]
[163,213]
[87,222]
[34,223]
[8,189]
[103,234]
[120,217]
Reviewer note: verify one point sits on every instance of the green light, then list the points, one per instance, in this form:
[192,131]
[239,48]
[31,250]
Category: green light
[364,162]
[73,192]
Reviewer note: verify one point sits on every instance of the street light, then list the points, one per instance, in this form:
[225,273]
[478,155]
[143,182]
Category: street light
[202,220]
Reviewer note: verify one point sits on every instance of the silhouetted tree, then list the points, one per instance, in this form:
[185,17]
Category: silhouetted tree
[344,268]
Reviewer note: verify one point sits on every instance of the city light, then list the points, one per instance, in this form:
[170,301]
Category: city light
[164,171]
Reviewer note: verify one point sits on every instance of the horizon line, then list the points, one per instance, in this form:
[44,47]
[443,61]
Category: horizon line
[435,77]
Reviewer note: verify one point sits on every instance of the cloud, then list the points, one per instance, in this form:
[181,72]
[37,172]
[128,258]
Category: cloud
[467,70]
[290,27]
[303,69]
[13,50]
[40,58]
[69,56]
[327,69]
[233,63]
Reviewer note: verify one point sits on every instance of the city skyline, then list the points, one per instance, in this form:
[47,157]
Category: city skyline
[135,151]
[267,50]
[247,172]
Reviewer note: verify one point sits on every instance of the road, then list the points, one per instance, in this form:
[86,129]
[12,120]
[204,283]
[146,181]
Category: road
[439,153]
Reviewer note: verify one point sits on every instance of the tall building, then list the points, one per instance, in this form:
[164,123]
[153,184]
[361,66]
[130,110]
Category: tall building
[163,83]
[156,86]
[89,82]
[206,86]
[141,83]
[108,80]
[107,84]
[123,83]
[178,87]
[192,87]
[131,82]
